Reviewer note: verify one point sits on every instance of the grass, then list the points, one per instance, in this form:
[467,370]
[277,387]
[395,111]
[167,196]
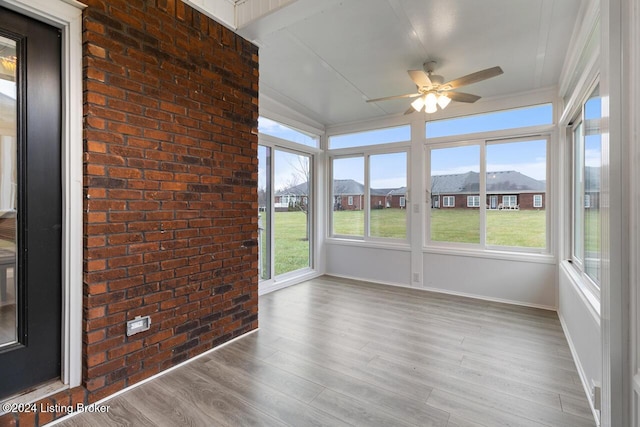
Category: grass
[524,228]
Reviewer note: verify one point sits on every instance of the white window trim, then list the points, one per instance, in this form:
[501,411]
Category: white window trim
[350,201]
[365,153]
[473,201]
[509,197]
[448,201]
[539,198]
[483,140]
[67,15]
[403,202]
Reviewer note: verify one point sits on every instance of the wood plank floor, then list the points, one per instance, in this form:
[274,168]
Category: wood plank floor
[334,352]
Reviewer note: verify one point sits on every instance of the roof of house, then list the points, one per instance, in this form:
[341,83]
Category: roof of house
[497,182]
[461,183]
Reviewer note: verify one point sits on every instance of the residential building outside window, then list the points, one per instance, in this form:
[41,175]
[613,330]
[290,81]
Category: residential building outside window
[369,184]
[504,181]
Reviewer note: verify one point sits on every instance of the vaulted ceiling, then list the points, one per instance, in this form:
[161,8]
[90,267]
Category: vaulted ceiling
[325,58]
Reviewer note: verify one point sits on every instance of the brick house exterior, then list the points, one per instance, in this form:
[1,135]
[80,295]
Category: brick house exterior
[505,189]
[170,192]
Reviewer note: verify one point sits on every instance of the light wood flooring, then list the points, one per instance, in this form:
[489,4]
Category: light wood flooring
[337,352]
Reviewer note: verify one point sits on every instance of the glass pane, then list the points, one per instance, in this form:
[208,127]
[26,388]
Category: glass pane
[498,120]
[269,127]
[348,196]
[388,183]
[8,191]
[264,212]
[592,176]
[578,194]
[516,175]
[291,218]
[455,176]
[371,137]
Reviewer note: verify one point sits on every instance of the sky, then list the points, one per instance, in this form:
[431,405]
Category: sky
[390,170]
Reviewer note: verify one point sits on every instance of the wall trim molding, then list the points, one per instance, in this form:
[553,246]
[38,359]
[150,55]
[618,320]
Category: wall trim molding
[67,15]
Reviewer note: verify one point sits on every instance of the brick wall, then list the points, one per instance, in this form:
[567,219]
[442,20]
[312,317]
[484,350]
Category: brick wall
[170,179]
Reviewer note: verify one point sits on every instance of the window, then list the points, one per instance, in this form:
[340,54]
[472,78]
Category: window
[537,200]
[587,174]
[387,189]
[292,177]
[264,212]
[369,195]
[498,120]
[500,201]
[371,137]
[348,179]
[509,201]
[449,201]
[269,127]
[285,201]
[473,201]
[516,166]
[449,223]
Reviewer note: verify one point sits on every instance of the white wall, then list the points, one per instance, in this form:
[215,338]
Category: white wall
[581,323]
[507,280]
[380,265]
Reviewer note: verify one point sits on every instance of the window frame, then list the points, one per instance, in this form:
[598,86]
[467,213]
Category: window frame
[274,143]
[366,152]
[539,198]
[578,260]
[448,201]
[473,201]
[510,197]
[483,141]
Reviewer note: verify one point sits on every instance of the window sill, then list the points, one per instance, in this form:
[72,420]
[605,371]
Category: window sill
[493,254]
[375,244]
[591,299]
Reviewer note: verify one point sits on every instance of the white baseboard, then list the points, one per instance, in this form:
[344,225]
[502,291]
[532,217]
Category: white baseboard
[581,373]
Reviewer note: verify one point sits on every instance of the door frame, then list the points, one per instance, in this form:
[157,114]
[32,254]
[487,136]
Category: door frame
[67,16]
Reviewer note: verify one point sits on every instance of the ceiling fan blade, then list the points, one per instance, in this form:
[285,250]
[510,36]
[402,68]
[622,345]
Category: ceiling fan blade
[386,98]
[420,78]
[462,97]
[409,111]
[478,76]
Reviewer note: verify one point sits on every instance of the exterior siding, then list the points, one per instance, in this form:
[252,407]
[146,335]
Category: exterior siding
[170,187]
[524,200]
[342,202]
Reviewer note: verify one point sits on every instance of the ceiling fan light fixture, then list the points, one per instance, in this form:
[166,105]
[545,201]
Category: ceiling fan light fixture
[418,104]
[443,101]
[430,103]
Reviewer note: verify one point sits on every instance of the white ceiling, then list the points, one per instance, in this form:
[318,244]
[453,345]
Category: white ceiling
[324,58]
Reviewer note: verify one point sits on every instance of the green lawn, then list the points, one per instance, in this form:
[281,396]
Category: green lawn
[291,243]
[522,228]
[384,223]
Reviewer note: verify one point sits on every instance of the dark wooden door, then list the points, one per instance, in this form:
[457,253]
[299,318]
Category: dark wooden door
[30,203]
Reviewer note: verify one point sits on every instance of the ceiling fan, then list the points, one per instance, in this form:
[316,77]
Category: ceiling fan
[434,92]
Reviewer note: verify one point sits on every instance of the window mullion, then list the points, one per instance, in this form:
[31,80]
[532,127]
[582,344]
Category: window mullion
[366,205]
[483,195]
